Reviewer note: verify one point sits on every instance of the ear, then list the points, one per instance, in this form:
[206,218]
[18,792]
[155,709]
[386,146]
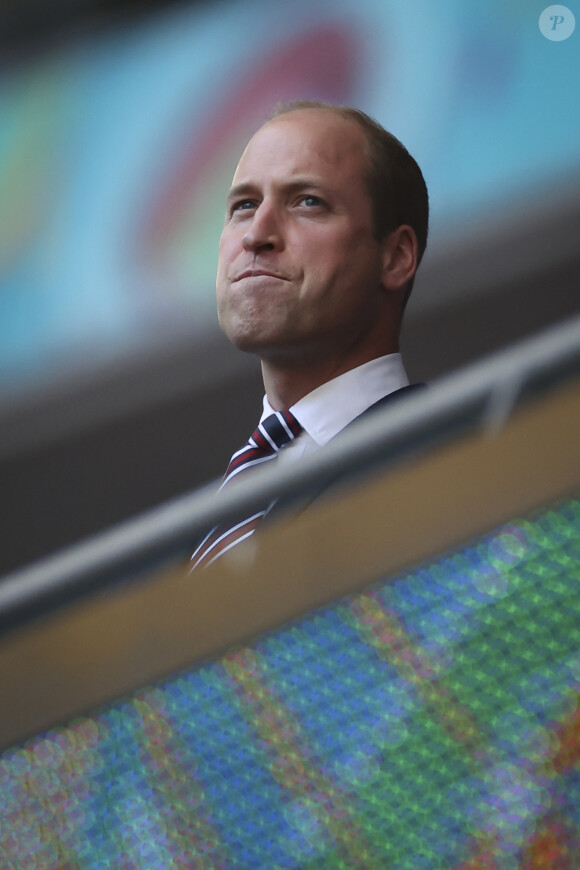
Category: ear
[400,254]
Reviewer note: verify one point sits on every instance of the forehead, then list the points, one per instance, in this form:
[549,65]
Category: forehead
[306,142]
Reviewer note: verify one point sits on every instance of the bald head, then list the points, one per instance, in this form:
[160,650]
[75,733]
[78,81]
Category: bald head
[395,182]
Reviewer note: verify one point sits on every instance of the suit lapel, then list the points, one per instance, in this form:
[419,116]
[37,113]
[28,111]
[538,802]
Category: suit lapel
[304,504]
[386,400]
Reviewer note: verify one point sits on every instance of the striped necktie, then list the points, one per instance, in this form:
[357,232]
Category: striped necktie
[271,435]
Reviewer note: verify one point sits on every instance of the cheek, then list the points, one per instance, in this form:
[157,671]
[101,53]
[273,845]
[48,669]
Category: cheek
[337,262]
[222,283]
[228,248]
[362,260]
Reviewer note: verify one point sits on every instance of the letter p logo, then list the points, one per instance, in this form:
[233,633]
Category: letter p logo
[557,23]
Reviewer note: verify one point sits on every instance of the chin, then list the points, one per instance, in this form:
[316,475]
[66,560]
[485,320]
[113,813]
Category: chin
[250,337]
[247,342]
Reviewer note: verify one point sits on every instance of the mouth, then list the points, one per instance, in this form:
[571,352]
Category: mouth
[258,273]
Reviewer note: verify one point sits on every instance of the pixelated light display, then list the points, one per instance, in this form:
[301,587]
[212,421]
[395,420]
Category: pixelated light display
[432,721]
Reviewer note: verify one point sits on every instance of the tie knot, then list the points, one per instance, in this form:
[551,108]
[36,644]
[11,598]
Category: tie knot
[272,434]
[276,431]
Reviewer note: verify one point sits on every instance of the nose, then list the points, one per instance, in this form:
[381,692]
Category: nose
[264,232]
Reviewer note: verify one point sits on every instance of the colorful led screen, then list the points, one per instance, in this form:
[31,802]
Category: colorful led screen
[431,721]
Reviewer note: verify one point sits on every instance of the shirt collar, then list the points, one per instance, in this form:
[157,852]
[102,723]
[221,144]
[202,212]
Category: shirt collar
[326,411]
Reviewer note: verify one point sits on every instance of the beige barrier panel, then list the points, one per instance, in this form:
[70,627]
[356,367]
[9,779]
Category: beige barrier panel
[110,644]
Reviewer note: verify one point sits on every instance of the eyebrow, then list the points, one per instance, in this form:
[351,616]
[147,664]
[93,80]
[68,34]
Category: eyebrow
[240,189]
[247,187]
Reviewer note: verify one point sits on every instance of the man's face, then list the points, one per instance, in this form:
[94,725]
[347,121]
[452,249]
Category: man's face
[299,272]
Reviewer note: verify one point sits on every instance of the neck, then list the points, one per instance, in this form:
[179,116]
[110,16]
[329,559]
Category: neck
[286,385]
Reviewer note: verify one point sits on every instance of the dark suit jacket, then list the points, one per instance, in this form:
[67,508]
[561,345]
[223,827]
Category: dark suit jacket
[302,503]
[387,400]
[296,505]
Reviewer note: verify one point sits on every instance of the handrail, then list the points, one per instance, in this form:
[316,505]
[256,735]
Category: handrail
[482,395]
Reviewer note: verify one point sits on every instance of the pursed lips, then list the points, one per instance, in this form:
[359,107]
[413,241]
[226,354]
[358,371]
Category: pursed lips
[257,273]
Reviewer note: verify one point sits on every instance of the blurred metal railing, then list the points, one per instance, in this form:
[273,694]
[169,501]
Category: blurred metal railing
[481,396]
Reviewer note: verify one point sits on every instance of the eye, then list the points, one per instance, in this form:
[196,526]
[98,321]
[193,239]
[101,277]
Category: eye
[310,200]
[242,205]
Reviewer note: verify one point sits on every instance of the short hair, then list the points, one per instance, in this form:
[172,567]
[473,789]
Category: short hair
[396,185]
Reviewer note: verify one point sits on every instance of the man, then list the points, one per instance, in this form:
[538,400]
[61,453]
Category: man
[325,227]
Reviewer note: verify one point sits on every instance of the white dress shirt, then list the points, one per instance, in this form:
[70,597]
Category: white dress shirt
[325,411]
